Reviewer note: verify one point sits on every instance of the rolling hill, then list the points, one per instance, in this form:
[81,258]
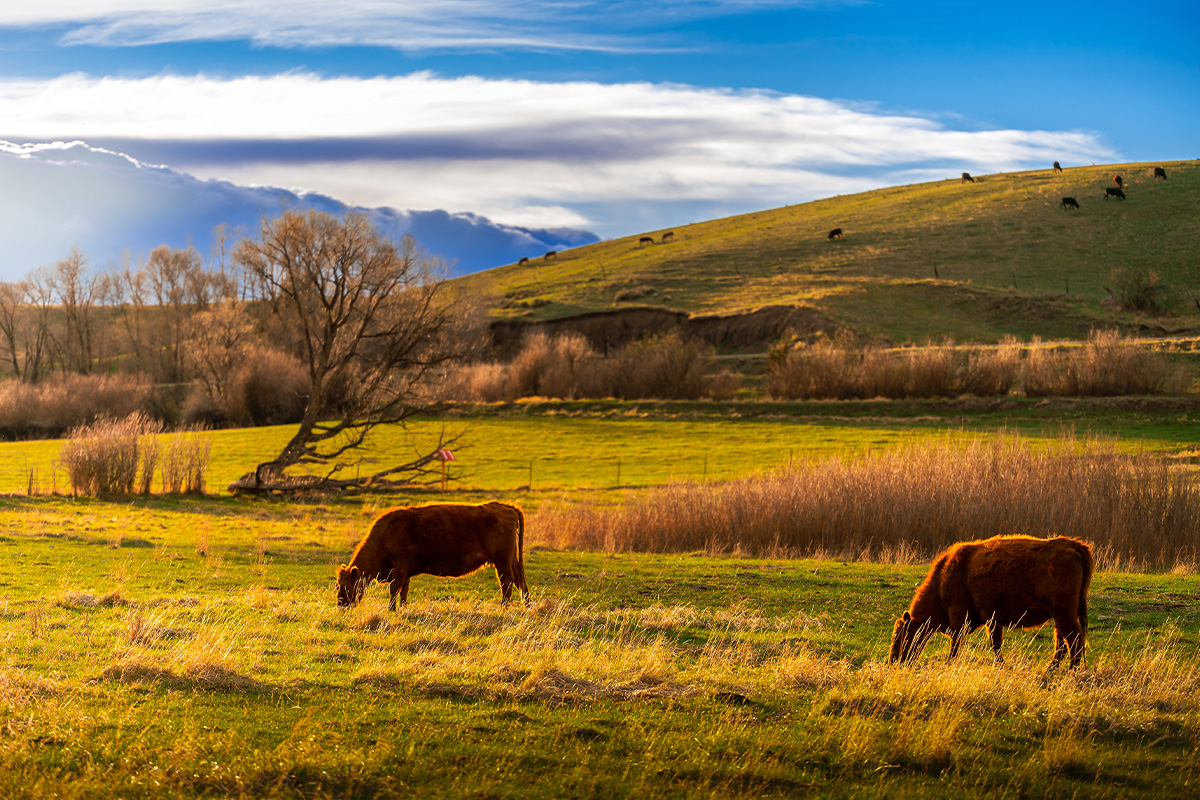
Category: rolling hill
[972,261]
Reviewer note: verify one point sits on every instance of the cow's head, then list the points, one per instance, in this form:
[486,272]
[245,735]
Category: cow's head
[908,638]
[350,586]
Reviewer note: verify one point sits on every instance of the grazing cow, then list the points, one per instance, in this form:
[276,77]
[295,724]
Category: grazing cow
[524,260]
[1017,581]
[966,178]
[1114,192]
[669,236]
[551,255]
[445,540]
[1118,182]
[1057,167]
[1159,172]
[1069,202]
[836,233]
[645,240]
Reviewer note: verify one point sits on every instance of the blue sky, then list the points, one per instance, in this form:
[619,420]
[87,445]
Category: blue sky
[494,129]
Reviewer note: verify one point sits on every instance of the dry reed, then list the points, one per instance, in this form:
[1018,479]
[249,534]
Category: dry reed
[907,505]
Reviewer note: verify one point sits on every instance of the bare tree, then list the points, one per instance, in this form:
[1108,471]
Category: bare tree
[369,319]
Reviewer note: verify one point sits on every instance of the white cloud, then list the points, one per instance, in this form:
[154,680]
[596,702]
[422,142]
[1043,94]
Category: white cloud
[613,157]
[409,25]
[61,195]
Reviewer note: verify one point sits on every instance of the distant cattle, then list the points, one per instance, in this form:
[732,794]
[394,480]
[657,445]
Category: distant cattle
[1013,581]
[836,233]
[1159,172]
[551,255]
[1069,202]
[1114,192]
[1057,167]
[446,540]
[524,260]
[645,240]
[966,178]
[1118,181]
[669,236]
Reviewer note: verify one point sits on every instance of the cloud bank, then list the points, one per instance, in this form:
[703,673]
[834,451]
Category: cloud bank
[613,158]
[61,195]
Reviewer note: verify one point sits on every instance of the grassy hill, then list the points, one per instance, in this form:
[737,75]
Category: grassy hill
[974,261]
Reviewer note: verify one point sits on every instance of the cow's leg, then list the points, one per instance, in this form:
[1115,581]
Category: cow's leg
[996,633]
[505,576]
[519,573]
[399,586]
[1068,637]
[959,628]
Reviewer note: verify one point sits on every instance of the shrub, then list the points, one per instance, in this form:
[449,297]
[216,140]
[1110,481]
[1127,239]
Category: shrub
[662,366]
[1139,288]
[103,458]
[268,387]
[1107,365]
[185,456]
[53,407]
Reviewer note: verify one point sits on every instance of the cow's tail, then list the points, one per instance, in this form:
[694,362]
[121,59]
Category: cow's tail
[1088,566]
[520,570]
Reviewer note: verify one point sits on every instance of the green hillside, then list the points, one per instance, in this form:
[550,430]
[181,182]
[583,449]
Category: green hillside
[974,261]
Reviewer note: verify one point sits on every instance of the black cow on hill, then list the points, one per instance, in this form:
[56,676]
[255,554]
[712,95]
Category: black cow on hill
[1069,202]
[966,178]
[1057,167]
[1159,172]
[836,233]
[1111,192]
[1118,182]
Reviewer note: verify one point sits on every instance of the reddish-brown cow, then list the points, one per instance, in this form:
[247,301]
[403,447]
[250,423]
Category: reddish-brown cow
[445,540]
[1016,581]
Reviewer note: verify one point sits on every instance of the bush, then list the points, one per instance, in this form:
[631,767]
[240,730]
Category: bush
[53,407]
[1139,288]
[267,388]
[665,366]
[1107,365]
[102,458]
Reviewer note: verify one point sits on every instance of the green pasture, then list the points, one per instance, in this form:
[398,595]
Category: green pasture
[560,446]
[191,648]
[973,261]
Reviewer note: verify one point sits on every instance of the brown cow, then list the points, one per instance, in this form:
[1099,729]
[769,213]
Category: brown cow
[551,255]
[669,236]
[1018,581]
[446,540]
[524,260]
[1118,182]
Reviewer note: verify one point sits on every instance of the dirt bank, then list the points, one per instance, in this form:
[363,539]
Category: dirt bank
[754,330]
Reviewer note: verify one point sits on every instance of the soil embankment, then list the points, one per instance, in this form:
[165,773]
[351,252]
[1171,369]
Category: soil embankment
[606,329]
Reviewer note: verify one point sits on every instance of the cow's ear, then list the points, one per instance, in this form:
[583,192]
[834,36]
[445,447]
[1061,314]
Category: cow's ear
[354,573]
[906,617]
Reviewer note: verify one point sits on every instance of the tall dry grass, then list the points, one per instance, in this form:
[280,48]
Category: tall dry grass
[119,456]
[832,370]
[53,407]
[1108,365]
[907,505]
[103,458]
[665,366]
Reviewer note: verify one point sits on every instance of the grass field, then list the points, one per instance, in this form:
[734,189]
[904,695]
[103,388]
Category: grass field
[192,648]
[971,261]
[611,444]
